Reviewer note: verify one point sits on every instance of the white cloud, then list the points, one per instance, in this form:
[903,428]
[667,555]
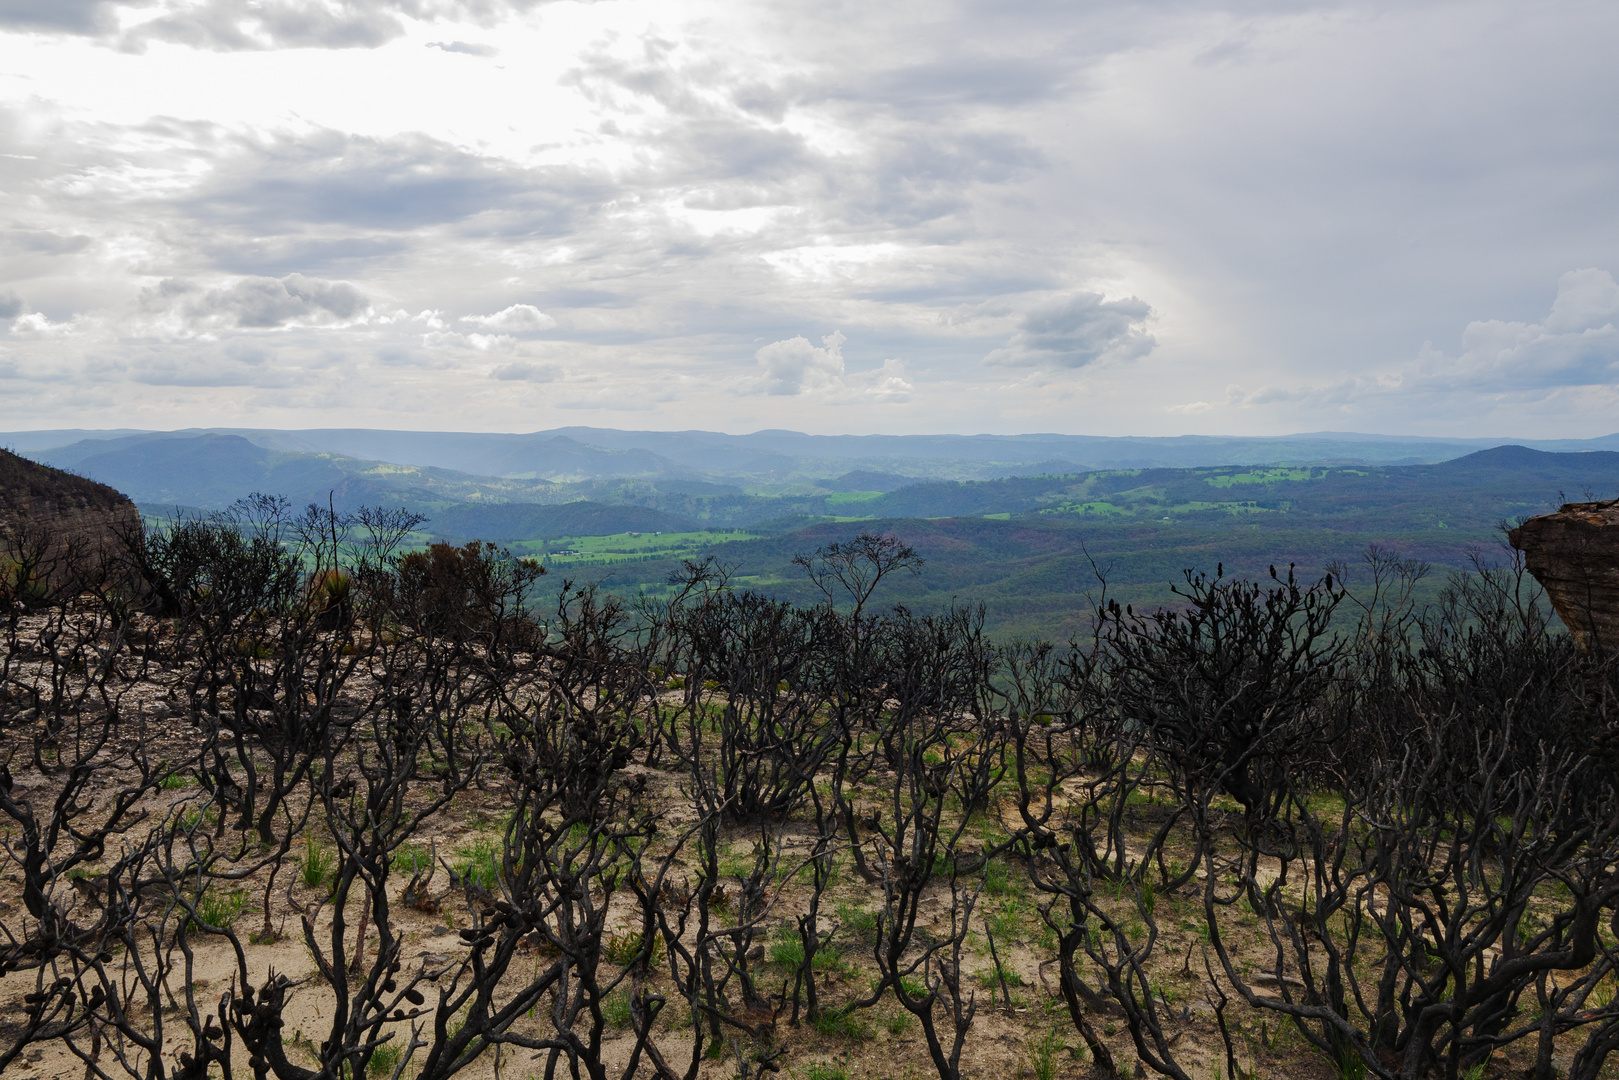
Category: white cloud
[1576,345]
[1076,330]
[1192,408]
[517,319]
[449,339]
[1586,299]
[888,383]
[794,366]
[36,324]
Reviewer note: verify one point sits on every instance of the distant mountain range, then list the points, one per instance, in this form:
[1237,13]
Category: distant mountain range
[579,455]
[1013,522]
[212,470]
[1030,549]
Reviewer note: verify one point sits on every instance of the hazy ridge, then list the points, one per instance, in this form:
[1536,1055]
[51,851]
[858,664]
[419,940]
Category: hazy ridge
[1026,543]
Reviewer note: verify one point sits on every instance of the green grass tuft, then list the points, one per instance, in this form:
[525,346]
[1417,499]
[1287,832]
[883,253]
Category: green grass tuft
[616,1009]
[1043,1053]
[317,863]
[221,909]
[384,1059]
[862,924]
[843,1024]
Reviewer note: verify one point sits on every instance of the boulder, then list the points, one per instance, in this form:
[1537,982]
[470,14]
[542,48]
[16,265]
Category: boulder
[55,523]
[1574,554]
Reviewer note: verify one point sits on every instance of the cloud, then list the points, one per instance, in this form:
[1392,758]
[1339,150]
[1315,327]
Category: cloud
[1075,331]
[10,304]
[45,242]
[449,339]
[275,185]
[1192,408]
[1586,300]
[794,366]
[519,318]
[251,25]
[235,25]
[262,303]
[639,398]
[1300,214]
[36,324]
[73,16]
[1576,345]
[526,372]
[274,256]
[464,48]
[888,383]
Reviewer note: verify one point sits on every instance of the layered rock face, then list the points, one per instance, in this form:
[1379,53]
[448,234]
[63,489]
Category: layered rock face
[1574,553]
[50,518]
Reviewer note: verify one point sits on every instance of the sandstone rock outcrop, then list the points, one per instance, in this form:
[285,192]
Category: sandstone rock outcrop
[49,518]
[1574,553]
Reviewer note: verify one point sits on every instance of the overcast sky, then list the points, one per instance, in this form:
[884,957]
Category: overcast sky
[1097,218]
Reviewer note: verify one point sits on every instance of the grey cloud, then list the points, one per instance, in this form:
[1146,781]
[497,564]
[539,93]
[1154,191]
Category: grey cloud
[402,357]
[160,297]
[527,372]
[718,148]
[400,183]
[464,48]
[45,242]
[702,143]
[207,372]
[1077,330]
[279,255]
[950,81]
[333,178]
[284,364]
[761,99]
[1226,52]
[903,172]
[10,305]
[919,177]
[271,302]
[250,25]
[585,298]
[73,16]
[232,25]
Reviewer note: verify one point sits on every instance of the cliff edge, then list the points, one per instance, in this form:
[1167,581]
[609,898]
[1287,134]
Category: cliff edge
[1574,553]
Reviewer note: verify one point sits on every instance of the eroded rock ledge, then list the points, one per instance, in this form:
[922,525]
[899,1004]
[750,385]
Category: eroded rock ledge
[1574,553]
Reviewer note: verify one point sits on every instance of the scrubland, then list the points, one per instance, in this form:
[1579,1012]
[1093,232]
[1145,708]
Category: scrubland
[279,801]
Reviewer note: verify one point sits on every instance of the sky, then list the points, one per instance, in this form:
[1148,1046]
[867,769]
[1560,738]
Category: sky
[1111,218]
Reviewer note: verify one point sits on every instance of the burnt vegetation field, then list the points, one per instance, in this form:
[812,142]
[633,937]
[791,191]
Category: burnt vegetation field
[280,800]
